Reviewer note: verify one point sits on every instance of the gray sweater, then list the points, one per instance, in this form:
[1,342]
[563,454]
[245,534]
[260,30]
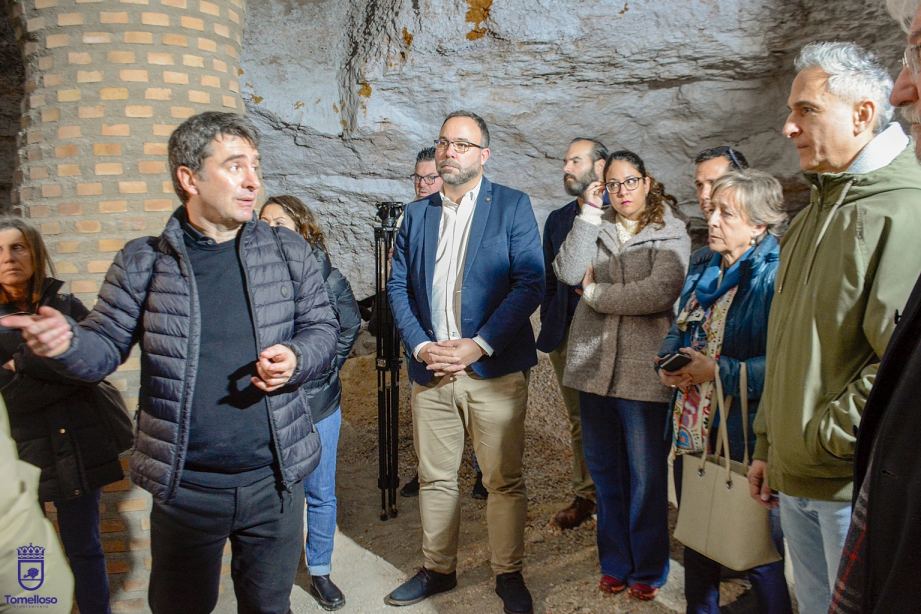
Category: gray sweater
[613,340]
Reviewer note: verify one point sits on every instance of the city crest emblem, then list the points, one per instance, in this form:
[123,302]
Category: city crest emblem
[31,566]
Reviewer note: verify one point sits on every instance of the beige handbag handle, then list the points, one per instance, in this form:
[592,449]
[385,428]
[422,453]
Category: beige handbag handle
[724,404]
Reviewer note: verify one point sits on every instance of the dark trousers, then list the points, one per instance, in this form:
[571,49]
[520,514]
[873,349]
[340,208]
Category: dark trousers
[78,520]
[266,531]
[702,575]
[627,455]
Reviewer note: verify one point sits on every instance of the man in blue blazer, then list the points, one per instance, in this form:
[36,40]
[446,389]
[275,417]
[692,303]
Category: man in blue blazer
[467,274]
[582,164]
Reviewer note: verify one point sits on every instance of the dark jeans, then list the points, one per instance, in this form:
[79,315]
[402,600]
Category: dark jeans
[79,522]
[627,455]
[265,528]
[702,575]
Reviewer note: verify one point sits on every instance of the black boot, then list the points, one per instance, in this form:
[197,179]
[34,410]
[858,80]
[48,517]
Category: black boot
[516,599]
[326,593]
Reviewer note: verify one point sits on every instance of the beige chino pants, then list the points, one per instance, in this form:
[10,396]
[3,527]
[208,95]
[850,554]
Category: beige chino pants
[492,411]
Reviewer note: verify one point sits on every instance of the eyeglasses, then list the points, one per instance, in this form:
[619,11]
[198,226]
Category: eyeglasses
[630,184]
[426,179]
[460,147]
[911,59]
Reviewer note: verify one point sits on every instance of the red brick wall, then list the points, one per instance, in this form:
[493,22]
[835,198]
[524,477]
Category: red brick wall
[106,81]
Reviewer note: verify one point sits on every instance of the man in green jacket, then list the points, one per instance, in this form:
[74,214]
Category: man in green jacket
[847,265]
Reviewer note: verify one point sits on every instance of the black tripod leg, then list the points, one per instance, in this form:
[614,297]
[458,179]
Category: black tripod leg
[382,431]
[394,434]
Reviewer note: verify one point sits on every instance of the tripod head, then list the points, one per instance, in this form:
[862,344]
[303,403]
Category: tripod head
[388,212]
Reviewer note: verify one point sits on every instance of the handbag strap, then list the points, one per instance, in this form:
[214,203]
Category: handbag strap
[727,404]
[743,395]
[723,433]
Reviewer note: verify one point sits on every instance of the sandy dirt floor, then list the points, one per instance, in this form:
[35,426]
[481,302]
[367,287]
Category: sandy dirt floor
[561,568]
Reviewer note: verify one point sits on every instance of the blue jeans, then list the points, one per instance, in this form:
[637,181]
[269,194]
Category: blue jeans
[702,575]
[627,455]
[815,532]
[320,490]
[79,522]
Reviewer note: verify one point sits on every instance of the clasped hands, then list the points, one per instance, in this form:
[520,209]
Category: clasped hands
[452,356]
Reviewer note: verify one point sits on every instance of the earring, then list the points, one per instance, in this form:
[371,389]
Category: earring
[754,241]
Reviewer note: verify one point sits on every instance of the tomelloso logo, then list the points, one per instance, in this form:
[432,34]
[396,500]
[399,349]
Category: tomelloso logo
[31,566]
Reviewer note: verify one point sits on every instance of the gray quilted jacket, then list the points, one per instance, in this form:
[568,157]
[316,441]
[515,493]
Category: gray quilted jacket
[147,298]
[613,342]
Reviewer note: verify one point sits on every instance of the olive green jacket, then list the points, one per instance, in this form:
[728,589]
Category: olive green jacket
[847,264]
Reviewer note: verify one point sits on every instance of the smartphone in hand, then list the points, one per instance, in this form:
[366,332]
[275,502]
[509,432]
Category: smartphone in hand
[674,361]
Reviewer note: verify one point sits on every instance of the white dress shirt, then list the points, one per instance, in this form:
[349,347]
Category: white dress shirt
[448,277]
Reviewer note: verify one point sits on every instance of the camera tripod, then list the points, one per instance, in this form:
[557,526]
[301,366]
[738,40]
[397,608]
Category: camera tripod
[388,361]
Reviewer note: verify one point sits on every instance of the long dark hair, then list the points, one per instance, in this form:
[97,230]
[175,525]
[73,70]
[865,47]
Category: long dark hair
[656,199]
[41,261]
[304,219]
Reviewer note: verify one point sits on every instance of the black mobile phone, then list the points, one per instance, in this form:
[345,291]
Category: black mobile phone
[674,361]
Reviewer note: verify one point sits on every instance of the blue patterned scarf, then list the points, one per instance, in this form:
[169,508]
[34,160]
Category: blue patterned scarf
[711,286]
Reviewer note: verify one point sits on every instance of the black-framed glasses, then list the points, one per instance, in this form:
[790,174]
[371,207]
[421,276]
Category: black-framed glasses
[911,59]
[630,184]
[460,147]
[426,179]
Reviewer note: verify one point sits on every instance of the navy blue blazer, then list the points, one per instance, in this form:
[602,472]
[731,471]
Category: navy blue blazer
[560,300]
[503,279]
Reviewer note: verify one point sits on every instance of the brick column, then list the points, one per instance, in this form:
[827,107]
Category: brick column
[106,83]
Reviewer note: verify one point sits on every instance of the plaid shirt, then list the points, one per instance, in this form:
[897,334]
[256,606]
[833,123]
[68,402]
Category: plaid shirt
[852,576]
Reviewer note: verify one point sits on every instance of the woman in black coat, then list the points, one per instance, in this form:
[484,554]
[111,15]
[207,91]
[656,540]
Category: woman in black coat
[58,425]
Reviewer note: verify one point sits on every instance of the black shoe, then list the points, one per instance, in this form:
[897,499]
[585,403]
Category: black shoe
[479,491]
[514,594]
[411,488]
[326,593]
[422,585]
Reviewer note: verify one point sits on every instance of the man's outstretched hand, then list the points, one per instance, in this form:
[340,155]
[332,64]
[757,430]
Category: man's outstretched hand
[47,333]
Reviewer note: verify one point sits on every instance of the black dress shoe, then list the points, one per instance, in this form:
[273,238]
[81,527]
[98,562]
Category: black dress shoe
[516,599]
[479,491]
[411,488]
[422,585]
[326,593]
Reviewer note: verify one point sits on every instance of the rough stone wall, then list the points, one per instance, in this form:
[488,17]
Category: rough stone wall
[106,81]
[347,93]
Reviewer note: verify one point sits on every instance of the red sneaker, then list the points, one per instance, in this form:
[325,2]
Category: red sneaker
[612,585]
[643,592]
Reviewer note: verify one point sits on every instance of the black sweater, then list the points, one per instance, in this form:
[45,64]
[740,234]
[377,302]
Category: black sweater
[230,442]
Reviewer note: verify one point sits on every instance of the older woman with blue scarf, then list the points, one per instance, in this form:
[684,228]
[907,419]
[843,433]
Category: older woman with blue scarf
[722,320]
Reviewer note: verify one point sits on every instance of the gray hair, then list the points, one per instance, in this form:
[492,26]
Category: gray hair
[758,195]
[190,142]
[854,74]
[903,11]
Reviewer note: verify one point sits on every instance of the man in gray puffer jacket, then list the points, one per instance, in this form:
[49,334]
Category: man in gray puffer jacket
[232,317]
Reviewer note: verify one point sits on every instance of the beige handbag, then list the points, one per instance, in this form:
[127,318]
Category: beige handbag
[717,516]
